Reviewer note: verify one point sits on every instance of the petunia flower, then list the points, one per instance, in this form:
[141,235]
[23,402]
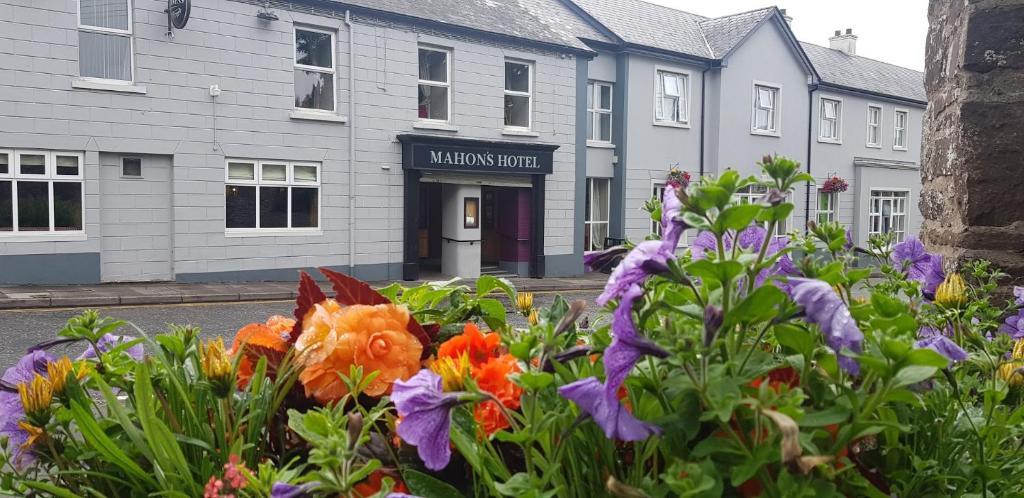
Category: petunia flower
[111,341]
[919,264]
[426,417]
[1014,326]
[606,410]
[604,260]
[627,346]
[940,343]
[649,257]
[285,490]
[1018,295]
[749,239]
[825,308]
[672,225]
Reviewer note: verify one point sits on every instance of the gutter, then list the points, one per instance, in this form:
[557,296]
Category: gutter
[869,93]
[351,144]
[810,133]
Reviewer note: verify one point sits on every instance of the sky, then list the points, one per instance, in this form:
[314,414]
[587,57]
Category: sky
[888,30]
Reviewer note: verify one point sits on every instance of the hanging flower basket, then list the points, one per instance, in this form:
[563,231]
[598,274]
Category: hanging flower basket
[678,178]
[835,184]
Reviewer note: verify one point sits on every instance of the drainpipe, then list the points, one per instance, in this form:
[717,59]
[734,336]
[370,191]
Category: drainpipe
[810,133]
[703,99]
[351,145]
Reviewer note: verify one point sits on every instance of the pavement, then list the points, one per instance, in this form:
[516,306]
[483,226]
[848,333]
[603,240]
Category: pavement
[119,294]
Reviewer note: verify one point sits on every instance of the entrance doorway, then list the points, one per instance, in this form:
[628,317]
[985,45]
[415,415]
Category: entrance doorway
[505,231]
[429,232]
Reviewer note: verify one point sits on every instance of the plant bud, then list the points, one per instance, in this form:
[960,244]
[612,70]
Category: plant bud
[775,197]
[713,318]
[951,293]
[355,428]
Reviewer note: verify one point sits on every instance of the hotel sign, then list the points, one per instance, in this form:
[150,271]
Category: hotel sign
[476,156]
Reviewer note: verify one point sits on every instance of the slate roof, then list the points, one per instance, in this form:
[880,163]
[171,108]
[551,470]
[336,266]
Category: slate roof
[724,33]
[862,73]
[547,21]
[649,25]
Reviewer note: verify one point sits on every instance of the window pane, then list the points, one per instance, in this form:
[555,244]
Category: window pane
[587,201]
[600,200]
[517,77]
[433,65]
[590,125]
[669,108]
[313,48]
[32,164]
[240,207]
[103,55]
[131,167]
[606,97]
[67,165]
[600,232]
[304,207]
[305,173]
[275,172]
[104,13]
[314,90]
[67,206]
[241,171]
[273,207]
[517,111]
[6,207]
[433,102]
[590,96]
[5,163]
[671,84]
[33,207]
[605,128]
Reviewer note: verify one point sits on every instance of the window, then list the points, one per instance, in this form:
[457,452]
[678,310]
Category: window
[671,97]
[874,134]
[314,70]
[899,137]
[887,213]
[765,120]
[40,191]
[599,112]
[752,194]
[830,120]
[597,209]
[131,167]
[434,84]
[105,40]
[518,94]
[271,195]
[827,202]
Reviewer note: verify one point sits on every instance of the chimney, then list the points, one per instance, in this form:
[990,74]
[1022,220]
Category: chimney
[844,42]
[787,17]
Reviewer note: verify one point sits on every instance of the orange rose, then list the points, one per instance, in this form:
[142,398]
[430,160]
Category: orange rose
[473,343]
[493,377]
[258,339]
[374,337]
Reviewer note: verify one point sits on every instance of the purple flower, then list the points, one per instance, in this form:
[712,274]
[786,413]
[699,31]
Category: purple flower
[11,410]
[648,258]
[1014,326]
[940,343]
[750,239]
[1018,294]
[285,490]
[672,225]
[111,341]
[426,416]
[849,240]
[919,264]
[606,410]
[627,344]
[605,260]
[825,308]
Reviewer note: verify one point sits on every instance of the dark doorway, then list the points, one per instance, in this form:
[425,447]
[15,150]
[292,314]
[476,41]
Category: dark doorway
[505,230]
[429,231]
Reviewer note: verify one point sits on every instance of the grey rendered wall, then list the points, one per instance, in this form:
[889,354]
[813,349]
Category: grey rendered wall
[135,215]
[600,156]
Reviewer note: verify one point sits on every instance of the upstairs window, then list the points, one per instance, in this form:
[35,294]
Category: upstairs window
[518,94]
[271,195]
[830,120]
[434,84]
[40,192]
[899,138]
[314,70]
[599,112]
[874,133]
[105,40]
[765,119]
[670,100]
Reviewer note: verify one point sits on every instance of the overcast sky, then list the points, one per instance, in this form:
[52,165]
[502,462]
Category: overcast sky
[889,30]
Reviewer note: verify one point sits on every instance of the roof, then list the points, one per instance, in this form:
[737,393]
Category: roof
[545,21]
[649,25]
[724,33]
[861,73]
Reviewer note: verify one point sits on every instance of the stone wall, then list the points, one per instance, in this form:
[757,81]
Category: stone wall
[973,155]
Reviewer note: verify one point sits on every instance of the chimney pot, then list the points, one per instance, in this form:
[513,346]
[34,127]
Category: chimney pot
[844,42]
[849,31]
[838,32]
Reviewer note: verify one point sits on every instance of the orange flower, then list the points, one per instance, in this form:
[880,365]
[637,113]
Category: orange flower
[258,339]
[371,486]
[493,377]
[472,342]
[334,338]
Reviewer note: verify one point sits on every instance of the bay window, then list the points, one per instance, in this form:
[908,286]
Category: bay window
[765,115]
[518,94]
[830,120]
[271,195]
[671,104]
[597,213]
[434,86]
[887,213]
[41,192]
[105,40]
[599,112]
[314,70]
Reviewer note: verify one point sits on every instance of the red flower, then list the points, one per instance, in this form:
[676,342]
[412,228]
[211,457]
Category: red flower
[477,346]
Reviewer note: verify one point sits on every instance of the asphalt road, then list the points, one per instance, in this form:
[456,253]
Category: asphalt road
[22,329]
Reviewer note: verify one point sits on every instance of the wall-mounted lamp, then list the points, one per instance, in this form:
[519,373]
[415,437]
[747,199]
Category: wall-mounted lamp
[471,212]
[266,14]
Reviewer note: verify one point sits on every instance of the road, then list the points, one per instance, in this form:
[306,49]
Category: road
[25,328]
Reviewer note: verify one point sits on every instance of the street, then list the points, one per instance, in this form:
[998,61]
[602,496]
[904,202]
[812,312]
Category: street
[25,328]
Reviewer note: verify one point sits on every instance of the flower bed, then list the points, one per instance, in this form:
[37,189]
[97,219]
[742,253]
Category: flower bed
[737,369]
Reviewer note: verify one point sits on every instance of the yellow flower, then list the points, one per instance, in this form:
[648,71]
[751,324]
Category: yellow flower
[58,372]
[1011,373]
[951,292]
[534,318]
[36,396]
[524,302]
[216,366]
[1018,350]
[34,434]
[453,371]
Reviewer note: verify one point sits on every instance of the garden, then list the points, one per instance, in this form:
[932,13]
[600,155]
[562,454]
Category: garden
[746,365]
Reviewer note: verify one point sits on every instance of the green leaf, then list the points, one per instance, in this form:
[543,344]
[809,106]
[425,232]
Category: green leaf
[105,447]
[50,488]
[796,338]
[491,309]
[535,381]
[831,415]
[926,357]
[518,485]
[722,271]
[758,306]
[487,283]
[736,217]
[776,213]
[423,485]
[913,374]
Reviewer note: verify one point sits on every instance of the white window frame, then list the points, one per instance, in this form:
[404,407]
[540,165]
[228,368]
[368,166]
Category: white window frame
[682,105]
[896,145]
[775,130]
[876,126]
[837,137]
[658,192]
[333,71]
[446,84]
[289,182]
[595,111]
[833,208]
[128,33]
[589,224]
[528,94]
[901,235]
[50,177]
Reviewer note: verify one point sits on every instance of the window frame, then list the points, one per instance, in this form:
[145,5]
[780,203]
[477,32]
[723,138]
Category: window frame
[50,177]
[781,229]
[128,33]
[833,211]
[905,213]
[257,182]
[317,69]
[776,130]
[682,105]
[877,126]
[895,129]
[595,112]
[447,85]
[838,120]
[588,225]
[512,93]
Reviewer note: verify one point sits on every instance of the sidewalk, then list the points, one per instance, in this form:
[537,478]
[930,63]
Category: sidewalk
[119,294]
